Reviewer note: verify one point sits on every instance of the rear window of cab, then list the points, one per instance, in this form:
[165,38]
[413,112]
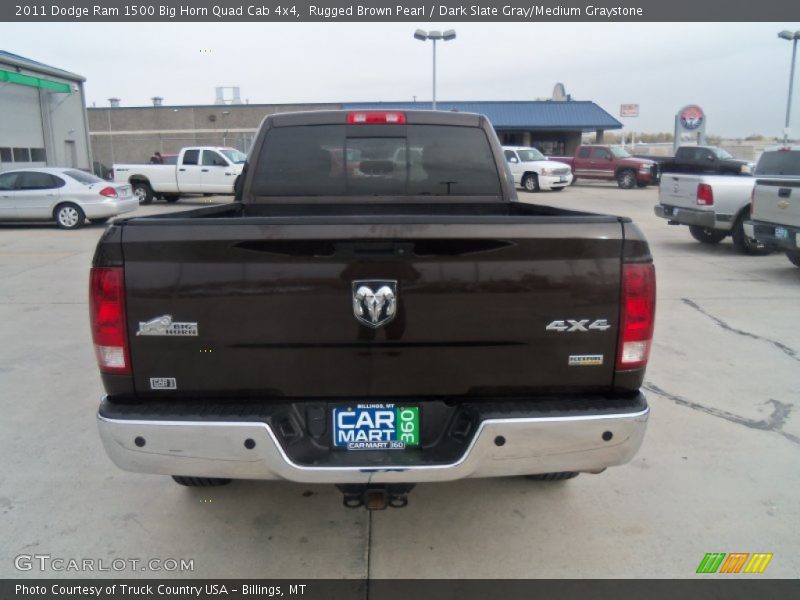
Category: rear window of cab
[367,160]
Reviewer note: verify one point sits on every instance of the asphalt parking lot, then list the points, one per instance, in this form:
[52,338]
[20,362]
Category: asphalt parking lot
[718,471]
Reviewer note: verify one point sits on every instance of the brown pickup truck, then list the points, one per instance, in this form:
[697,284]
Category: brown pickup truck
[611,163]
[400,320]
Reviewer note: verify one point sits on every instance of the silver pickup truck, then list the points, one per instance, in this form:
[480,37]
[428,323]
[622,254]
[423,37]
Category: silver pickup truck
[713,206]
[775,212]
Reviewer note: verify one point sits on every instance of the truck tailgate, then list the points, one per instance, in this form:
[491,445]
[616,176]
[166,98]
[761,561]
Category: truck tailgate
[679,190]
[274,314]
[777,201]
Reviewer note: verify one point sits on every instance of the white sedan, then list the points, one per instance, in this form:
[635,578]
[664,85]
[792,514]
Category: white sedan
[533,172]
[68,196]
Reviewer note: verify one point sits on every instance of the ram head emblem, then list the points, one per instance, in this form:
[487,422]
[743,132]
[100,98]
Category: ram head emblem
[374,301]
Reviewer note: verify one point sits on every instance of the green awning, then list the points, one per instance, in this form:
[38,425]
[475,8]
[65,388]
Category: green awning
[37,82]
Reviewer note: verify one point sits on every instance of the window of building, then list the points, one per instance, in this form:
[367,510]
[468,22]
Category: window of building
[38,155]
[6,155]
[22,155]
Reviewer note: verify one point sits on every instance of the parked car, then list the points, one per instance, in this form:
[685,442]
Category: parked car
[775,209]
[199,170]
[371,329]
[709,160]
[68,196]
[611,163]
[713,206]
[533,171]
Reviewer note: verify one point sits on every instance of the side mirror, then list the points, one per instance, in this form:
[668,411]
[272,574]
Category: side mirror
[513,159]
[610,157]
[712,158]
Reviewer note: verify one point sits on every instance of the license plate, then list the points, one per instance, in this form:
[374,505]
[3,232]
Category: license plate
[781,233]
[562,179]
[376,427]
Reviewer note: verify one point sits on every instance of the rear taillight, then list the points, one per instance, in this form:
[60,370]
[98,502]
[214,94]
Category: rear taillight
[637,315]
[376,117]
[705,195]
[108,192]
[108,320]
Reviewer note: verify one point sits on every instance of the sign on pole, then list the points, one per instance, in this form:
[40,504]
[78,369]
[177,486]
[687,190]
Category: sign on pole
[628,110]
[690,121]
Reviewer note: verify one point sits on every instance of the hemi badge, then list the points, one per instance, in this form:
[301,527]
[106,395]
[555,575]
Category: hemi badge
[585,360]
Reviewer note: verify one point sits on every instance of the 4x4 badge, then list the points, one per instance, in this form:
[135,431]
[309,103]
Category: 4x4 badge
[570,325]
[374,301]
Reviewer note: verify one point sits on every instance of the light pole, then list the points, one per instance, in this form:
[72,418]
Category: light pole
[792,37]
[434,36]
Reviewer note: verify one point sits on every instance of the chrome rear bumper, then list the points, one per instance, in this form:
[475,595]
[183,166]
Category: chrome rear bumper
[500,447]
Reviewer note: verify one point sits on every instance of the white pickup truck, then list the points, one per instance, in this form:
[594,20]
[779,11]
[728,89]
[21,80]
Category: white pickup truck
[776,201]
[533,171]
[713,206]
[199,170]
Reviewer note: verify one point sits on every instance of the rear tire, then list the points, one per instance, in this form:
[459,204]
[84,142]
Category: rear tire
[143,192]
[626,179]
[530,182]
[553,476]
[69,216]
[704,235]
[744,244]
[794,257]
[200,481]
[574,179]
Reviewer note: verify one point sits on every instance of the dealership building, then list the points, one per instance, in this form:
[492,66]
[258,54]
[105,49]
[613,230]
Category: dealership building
[43,118]
[133,134]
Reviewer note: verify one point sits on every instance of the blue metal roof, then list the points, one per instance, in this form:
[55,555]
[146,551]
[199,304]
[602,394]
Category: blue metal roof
[573,115]
[35,65]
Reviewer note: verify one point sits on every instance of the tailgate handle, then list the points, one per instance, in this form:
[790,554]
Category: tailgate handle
[374,248]
[784,192]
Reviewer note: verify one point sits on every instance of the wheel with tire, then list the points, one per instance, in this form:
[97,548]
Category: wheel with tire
[99,221]
[626,179]
[794,257]
[553,476]
[69,216]
[705,235]
[744,244]
[530,182]
[200,481]
[143,192]
[172,198]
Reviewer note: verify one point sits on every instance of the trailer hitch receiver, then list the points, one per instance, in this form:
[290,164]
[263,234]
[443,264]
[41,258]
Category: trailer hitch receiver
[374,496]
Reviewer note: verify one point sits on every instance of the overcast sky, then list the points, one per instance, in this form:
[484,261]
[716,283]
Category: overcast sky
[738,73]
